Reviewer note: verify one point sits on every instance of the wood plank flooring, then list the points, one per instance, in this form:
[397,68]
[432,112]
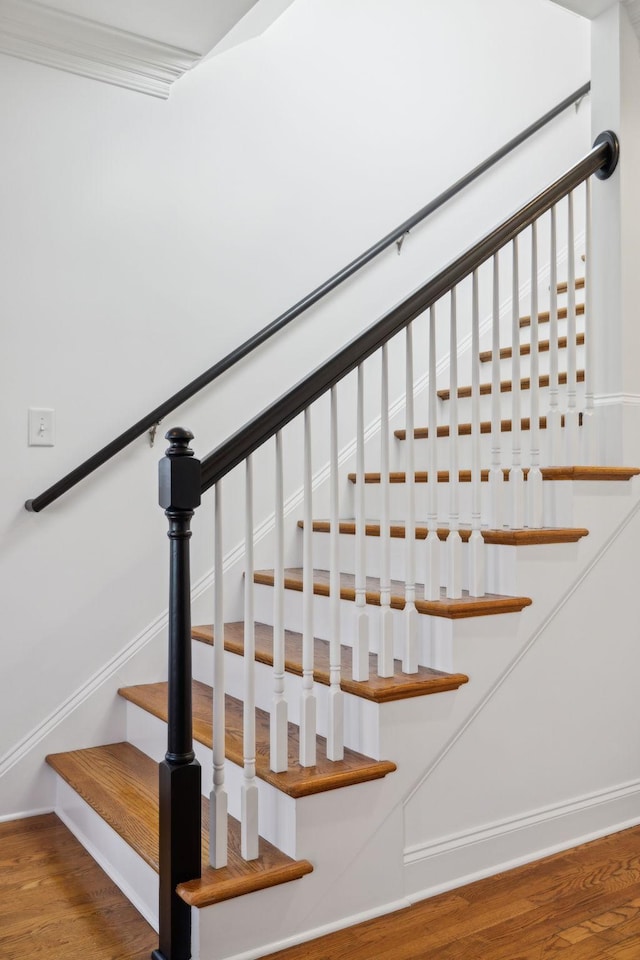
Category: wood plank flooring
[583,904]
[55,901]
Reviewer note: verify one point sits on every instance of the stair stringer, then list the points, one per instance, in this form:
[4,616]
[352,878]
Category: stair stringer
[544,759]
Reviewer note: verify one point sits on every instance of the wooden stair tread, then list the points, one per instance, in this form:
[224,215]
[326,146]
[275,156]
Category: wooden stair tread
[121,784]
[297,781]
[521,537]
[464,429]
[548,473]
[543,317]
[401,686]
[506,386]
[466,606]
[525,348]
[563,287]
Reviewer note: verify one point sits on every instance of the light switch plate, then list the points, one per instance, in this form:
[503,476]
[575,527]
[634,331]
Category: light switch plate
[41,427]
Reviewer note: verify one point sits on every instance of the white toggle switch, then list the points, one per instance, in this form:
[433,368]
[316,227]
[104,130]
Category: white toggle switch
[41,427]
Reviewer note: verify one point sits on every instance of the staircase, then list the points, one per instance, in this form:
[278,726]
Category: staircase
[298,740]
[334,824]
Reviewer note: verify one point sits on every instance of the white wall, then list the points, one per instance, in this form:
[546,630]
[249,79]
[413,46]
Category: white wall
[141,240]
[546,757]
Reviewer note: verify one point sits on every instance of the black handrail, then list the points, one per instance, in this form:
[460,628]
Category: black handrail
[601,160]
[158,413]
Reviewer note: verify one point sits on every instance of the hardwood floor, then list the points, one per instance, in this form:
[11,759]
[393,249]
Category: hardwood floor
[55,901]
[583,904]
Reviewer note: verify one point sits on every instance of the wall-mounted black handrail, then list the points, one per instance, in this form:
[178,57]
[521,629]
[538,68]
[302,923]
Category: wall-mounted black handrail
[158,413]
[601,160]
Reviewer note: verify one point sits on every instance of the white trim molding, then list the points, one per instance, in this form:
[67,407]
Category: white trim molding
[449,862]
[615,399]
[32,31]
[109,673]
[25,814]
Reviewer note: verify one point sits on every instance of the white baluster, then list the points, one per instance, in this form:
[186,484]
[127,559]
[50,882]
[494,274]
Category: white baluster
[361,637]
[534,480]
[410,656]
[554,417]
[249,789]
[385,652]
[516,476]
[476,541]
[496,477]
[308,702]
[571,417]
[432,545]
[335,726]
[588,420]
[279,708]
[454,541]
[218,797]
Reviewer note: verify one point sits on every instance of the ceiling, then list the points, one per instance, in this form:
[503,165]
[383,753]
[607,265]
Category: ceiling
[144,45]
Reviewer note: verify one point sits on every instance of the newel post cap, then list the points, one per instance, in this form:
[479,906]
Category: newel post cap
[179,473]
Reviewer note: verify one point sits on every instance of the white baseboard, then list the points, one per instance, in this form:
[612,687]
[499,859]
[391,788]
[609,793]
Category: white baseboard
[321,931]
[25,814]
[446,863]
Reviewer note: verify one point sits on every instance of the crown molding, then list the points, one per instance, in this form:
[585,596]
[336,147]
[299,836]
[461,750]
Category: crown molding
[33,31]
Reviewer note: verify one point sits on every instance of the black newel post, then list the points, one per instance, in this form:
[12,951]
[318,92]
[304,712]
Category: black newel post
[180,797]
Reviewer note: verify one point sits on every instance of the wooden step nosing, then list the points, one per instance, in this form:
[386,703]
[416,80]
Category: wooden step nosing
[582,473]
[506,353]
[226,883]
[487,605]
[506,386]
[522,537]
[465,429]
[544,315]
[195,893]
[389,689]
[338,774]
[563,286]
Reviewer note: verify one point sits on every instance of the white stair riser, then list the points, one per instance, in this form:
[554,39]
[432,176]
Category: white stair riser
[277,810]
[499,560]
[557,509]
[137,880]
[543,327]
[435,637]
[544,362]
[485,405]
[464,451]
[339,830]
[361,719]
